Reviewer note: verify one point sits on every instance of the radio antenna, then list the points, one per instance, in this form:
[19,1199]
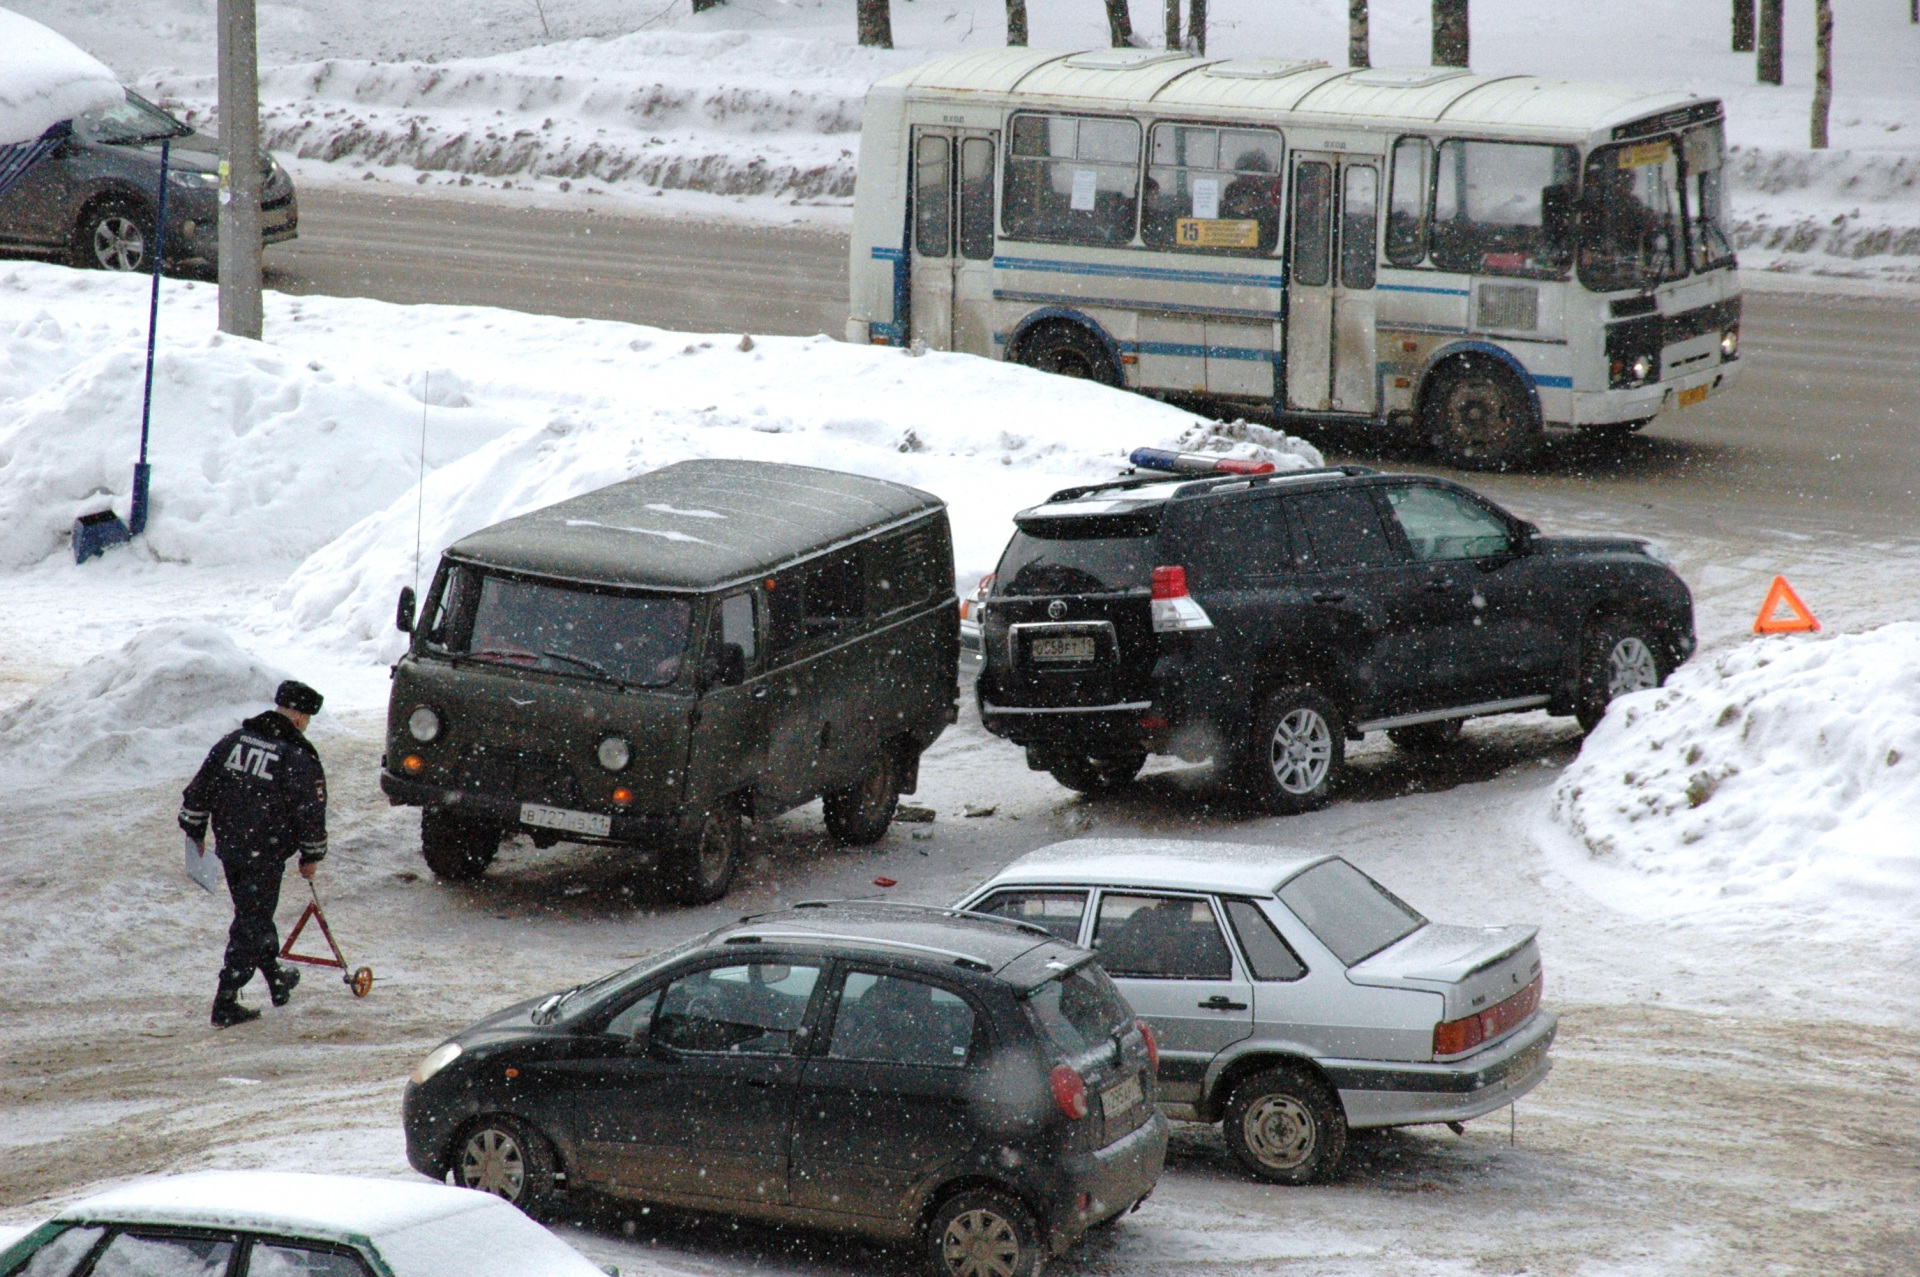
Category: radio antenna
[420,487]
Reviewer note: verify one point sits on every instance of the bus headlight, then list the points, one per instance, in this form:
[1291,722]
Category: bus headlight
[1641,368]
[424,725]
[1730,344]
[614,753]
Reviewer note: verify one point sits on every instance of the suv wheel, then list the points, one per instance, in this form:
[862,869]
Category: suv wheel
[698,867]
[1293,752]
[115,235]
[1070,351]
[860,813]
[1427,738]
[1102,775]
[1286,1127]
[1478,417]
[1620,655]
[456,848]
[981,1233]
[500,1156]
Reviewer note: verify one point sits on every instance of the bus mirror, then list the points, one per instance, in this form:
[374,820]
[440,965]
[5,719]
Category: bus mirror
[1556,215]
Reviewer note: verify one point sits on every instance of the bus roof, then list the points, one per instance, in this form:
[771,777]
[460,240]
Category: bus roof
[1426,98]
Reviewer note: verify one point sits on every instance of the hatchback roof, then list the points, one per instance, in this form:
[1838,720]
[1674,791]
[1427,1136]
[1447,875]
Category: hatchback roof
[1165,864]
[945,937]
[330,1206]
[695,524]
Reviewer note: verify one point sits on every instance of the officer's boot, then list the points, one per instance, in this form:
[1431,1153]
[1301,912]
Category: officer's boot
[281,980]
[227,1009]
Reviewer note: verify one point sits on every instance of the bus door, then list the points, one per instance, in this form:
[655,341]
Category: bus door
[1330,311]
[953,230]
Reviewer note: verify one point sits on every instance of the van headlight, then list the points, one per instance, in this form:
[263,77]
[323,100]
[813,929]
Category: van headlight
[424,725]
[438,1058]
[614,753]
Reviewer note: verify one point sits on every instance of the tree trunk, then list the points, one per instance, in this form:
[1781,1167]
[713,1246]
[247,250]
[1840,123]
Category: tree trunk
[699,6]
[1173,23]
[1767,61]
[1743,25]
[1197,26]
[1119,24]
[876,23]
[1450,38]
[1822,70]
[1358,54]
[1016,23]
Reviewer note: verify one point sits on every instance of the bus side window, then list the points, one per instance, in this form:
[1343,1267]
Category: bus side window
[976,199]
[1212,190]
[932,197]
[1072,179]
[1359,221]
[1412,187]
[1312,202]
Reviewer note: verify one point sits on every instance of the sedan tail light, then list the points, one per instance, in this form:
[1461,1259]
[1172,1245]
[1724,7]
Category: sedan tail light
[1174,610]
[1153,1047]
[1451,1037]
[1069,1091]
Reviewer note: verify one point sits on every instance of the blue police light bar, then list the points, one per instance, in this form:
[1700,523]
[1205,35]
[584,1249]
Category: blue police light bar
[1195,463]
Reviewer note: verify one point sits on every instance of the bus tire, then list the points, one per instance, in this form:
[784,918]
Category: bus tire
[1069,350]
[1478,416]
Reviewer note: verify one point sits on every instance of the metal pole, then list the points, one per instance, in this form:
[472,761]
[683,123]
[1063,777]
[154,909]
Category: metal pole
[137,515]
[239,88]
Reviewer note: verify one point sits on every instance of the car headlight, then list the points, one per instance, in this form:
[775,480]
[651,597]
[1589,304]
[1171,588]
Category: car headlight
[614,753]
[438,1058]
[424,725]
[1642,367]
[193,179]
[1730,344]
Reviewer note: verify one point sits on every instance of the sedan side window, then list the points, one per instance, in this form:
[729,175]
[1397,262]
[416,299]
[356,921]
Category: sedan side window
[1268,954]
[894,1020]
[753,1009]
[1058,911]
[280,1259]
[1442,525]
[61,1256]
[1160,938]
[134,1255]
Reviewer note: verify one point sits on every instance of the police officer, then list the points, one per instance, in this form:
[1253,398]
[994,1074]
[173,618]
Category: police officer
[265,794]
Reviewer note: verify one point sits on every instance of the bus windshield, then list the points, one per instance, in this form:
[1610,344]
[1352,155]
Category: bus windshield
[1703,151]
[1630,216]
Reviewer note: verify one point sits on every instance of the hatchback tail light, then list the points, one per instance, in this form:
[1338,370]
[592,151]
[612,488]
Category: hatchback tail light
[1174,610]
[1153,1047]
[1069,1091]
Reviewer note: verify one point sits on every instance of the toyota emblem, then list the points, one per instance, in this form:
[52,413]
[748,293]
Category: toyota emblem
[1056,609]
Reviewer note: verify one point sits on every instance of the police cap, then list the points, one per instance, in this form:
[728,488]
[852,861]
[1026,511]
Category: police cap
[298,697]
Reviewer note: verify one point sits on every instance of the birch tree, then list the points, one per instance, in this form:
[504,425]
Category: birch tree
[1450,34]
[1358,52]
[1822,70]
[875,18]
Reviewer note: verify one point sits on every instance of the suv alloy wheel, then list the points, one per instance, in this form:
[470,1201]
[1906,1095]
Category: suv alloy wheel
[981,1233]
[1293,752]
[1619,656]
[1285,1127]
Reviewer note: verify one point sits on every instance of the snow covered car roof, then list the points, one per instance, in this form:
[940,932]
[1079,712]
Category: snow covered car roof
[418,1229]
[1165,864]
[45,78]
[695,525]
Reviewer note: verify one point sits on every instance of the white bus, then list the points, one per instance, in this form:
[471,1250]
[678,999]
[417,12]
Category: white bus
[1481,257]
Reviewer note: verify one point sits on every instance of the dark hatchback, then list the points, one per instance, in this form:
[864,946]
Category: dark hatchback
[908,1073]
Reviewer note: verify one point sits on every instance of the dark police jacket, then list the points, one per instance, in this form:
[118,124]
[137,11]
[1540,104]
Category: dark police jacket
[264,792]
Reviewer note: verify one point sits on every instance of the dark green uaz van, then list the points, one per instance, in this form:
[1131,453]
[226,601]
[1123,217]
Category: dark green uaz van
[658,661]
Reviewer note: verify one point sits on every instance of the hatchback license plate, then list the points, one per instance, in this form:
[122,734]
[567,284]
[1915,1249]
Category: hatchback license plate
[1116,1100]
[1077,647]
[573,822]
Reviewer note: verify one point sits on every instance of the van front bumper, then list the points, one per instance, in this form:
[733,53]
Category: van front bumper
[1381,1094]
[628,828]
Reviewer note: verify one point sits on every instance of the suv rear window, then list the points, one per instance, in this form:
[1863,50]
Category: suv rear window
[1080,1010]
[1350,913]
[1079,556]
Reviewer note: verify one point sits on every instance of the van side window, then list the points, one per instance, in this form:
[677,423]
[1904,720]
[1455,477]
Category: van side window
[1072,179]
[899,572]
[785,611]
[835,592]
[737,624]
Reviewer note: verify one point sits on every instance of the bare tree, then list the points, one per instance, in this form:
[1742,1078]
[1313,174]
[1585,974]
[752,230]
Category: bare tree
[1197,27]
[1358,54]
[701,6]
[1173,23]
[1119,23]
[1016,23]
[1450,33]
[1743,25]
[1822,70]
[1767,61]
[875,19]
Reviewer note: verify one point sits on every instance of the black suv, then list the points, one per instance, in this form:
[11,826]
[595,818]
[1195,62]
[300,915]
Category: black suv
[1265,620]
[904,1072]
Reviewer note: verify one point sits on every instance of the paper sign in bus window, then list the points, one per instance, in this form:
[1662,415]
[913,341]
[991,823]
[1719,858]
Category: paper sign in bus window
[1206,198]
[1083,184]
[1644,154]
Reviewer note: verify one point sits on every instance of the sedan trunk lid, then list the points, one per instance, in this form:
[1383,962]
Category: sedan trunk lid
[1473,968]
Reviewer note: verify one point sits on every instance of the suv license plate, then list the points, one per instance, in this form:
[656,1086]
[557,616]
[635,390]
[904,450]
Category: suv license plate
[1078,647]
[1116,1100]
[574,822]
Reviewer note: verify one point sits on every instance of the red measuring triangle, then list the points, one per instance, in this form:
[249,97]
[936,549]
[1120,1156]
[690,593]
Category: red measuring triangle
[286,950]
[1798,618]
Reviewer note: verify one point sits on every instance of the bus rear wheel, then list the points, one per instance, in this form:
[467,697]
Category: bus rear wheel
[1478,416]
[1070,351]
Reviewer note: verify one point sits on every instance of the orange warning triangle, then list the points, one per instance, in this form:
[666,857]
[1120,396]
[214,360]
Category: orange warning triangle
[1797,620]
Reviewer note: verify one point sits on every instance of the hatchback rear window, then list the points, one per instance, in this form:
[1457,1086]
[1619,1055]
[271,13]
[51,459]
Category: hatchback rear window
[1080,1010]
[1350,913]
[1079,556]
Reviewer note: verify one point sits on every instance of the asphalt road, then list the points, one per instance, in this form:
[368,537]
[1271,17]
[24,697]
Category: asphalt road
[1822,435]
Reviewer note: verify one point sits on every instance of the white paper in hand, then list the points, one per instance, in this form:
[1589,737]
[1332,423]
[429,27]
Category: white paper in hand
[203,866]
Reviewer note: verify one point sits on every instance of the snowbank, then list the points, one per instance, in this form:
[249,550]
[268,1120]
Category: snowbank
[146,712]
[45,79]
[1783,772]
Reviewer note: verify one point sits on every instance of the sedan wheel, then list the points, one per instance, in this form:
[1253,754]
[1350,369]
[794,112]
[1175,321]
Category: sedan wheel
[1286,1126]
[981,1233]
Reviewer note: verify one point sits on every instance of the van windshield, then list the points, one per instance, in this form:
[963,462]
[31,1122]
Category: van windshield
[1078,556]
[637,639]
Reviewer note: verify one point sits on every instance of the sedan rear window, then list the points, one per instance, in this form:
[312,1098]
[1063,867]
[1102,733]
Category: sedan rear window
[1080,1010]
[1348,912]
[1078,556]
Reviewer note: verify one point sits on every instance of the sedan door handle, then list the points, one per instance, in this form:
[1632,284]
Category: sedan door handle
[1329,596]
[760,692]
[1220,1002]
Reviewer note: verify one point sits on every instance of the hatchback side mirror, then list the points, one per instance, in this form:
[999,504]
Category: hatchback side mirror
[403,614]
[1529,533]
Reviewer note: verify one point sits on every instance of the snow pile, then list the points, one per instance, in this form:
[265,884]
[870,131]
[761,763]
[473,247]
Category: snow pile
[1783,772]
[137,715]
[45,79]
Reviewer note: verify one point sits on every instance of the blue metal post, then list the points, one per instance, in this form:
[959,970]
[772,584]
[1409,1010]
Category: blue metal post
[137,516]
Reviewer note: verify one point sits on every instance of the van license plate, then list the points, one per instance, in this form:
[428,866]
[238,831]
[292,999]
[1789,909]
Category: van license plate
[1077,647]
[1116,1100]
[573,822]
[1688,398]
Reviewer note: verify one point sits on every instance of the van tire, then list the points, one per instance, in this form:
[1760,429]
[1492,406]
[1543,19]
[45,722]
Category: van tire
[1069,350]
[1102,775]
[979,1230]
[457,848]
[1478,416]
[859,814]
[1284,1126]
[1293,752]
[697,868]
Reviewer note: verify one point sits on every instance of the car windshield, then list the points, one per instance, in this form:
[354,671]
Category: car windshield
[1080,1010]
[563,629]
[1630,223]
[1350,913]
[134,120]
[582,998]
[1078,556]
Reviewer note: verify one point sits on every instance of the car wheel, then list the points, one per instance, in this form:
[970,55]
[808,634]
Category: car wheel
[1286,1127]
[1097,775]
[982,1233]
[1479,417]
[698,867]
[115,235]
[1070,351]
[456,848]
[1620,655]
[1427,738]
[860,813]
[1294,751]
[500,1156]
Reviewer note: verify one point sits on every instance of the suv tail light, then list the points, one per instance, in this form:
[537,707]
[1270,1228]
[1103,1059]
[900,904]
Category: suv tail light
[1069,1091]
[1153,1047]
[1174,611]
[1451,1037]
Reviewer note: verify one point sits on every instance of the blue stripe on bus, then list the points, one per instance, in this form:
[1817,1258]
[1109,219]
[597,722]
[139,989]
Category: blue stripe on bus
[1180,350]
[1140,272]
[889,254]
[1123,303]
[1551,383]
[1421,288]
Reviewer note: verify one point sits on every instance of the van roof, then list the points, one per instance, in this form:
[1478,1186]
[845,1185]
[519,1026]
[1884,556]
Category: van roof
[695,525]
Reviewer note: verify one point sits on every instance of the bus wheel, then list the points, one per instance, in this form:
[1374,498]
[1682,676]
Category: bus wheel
[1478,416]
[1071,351]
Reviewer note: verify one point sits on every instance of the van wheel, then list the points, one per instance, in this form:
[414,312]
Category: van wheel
[1069,350]
[860,813]
[456,848]
[1286,1127]
[1293,753]
[1479,417]
[114,235]
[1619,655]
[698,867]
[500,1156]
[1427,738]
[1102,775]
[982,1233]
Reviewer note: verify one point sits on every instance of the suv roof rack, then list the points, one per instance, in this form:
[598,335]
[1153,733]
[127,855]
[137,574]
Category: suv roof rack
[1200,484]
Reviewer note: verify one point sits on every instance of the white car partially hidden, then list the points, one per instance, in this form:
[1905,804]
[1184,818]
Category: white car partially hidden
[1292,996]
[275,1224]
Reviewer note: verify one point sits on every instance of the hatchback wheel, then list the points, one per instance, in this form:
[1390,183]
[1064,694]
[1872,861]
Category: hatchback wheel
[1620,656]
[981,1233]
[1101,775]
[1293,752]
[698,867]
[454,847]
[1286,1127]
[500,1156]
[860,813]
[117,235]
